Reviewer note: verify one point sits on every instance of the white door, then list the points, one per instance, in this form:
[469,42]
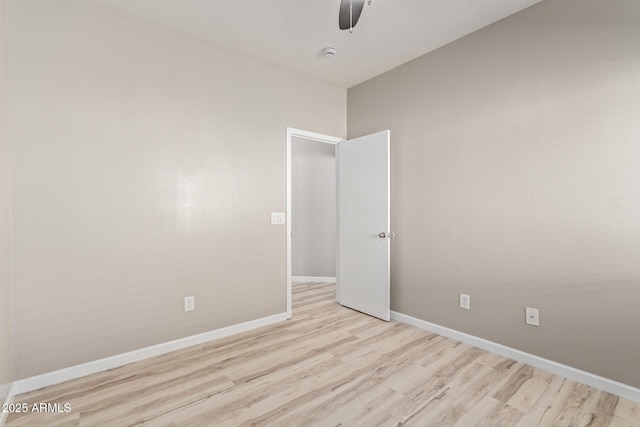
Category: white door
[363,268]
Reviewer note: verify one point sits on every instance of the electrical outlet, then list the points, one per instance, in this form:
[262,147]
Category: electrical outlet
[465,301]
[189,303]
[277,218]
[532,316]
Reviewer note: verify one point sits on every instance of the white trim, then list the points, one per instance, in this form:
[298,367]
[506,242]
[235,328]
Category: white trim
[7,401]
[587,378]
[313,136]
[313,279]
[73,372]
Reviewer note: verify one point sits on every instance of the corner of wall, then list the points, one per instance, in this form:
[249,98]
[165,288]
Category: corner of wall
[6,327]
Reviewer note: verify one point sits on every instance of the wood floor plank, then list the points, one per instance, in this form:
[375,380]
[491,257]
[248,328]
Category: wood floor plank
[490,412]
[530,391]
[467,387]
[555,391]
[369,379]
[575,403]
[628,410]
[622,422]
[599,410]
[328,366]
[233,403]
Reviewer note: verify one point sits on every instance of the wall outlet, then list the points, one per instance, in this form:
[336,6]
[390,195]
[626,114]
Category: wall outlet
[465,301]
[532,316]
[277,218]
[189,303]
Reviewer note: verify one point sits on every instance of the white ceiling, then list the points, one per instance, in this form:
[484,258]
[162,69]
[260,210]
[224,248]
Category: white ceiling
[293,33]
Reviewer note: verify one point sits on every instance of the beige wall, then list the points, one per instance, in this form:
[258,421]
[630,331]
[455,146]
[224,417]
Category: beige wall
[313,208]
[145,167]
[5,213]
[515,157]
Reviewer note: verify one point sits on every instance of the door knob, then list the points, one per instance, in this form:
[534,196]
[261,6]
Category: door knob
[384,235]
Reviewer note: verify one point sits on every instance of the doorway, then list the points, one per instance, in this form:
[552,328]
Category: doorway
[313,207]
[318,145]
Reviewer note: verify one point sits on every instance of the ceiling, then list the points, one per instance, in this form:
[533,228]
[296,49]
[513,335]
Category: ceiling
[293,33]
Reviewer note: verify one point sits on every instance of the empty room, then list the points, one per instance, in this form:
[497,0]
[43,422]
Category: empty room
[319,213]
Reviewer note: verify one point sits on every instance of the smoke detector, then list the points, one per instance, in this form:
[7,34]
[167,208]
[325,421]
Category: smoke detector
[329,52]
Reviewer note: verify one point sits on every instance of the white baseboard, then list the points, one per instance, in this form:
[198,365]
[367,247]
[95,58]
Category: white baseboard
[73,372]
[313,279]
[587,378]
[8,400]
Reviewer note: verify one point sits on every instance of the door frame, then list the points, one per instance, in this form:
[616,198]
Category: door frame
[311,136]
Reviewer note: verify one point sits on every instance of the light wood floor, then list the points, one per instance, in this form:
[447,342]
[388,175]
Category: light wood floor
[329,366]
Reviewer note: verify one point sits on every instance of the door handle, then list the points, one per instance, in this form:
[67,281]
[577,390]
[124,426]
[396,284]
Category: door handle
[384,235]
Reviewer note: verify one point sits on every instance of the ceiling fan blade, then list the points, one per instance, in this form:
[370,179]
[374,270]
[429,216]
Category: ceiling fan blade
[345,20]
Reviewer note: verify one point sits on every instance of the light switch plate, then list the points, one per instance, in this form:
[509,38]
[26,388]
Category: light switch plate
[277,218]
